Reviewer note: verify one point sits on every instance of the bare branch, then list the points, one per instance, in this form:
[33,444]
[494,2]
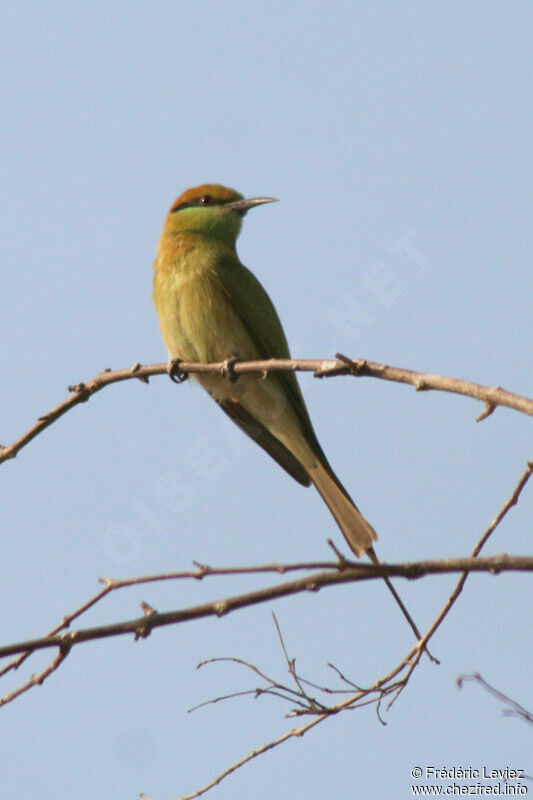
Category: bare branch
[291,662]
[274,688]
[342,571]
[322,368]
[513,709]
[391,683]
[492,396]
[143,626]
[257,752]
[36,680]
[373,694]
[512,501]
[339,572]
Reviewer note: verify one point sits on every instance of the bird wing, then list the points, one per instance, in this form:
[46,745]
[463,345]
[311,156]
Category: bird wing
[250,303]
[262,436]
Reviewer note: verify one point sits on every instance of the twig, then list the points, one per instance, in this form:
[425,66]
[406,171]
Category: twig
[17,662]
[492,396]
[381,687]
[37,680]
[514,710]
[291,662]
[512,501]
[274,688]
[257,752]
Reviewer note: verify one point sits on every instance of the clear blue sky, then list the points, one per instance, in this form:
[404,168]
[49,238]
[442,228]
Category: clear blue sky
[397,137]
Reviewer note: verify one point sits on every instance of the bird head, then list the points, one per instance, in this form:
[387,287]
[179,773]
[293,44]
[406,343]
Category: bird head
[211,210]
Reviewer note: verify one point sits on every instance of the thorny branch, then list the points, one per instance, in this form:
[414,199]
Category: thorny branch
[341,571]
[331,573]
[348,572]
[391,684]
[322,368]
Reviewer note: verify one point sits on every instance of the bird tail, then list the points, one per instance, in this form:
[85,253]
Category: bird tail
[356,530]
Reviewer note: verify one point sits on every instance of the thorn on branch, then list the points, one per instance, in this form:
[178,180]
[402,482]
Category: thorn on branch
[355,366]
[203,570]
[81,390]
[343,561]
[489,408]
[135,368]
[144,628]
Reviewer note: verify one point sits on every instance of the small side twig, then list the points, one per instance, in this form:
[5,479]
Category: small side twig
[492,396]
[513,709]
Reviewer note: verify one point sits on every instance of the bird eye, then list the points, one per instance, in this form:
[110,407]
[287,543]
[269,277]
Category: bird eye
[206,200]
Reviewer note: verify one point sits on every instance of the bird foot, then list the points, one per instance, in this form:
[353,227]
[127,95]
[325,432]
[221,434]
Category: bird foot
[175,373]
[227,370]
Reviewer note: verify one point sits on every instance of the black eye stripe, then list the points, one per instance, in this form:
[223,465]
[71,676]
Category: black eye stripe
[204,200]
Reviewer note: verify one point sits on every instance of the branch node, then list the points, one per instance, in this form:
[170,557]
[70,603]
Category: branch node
[66,640]
[142,631]
[80,389]
[221,607]
[496,567]
[328,369]
[356,366]
[202,570]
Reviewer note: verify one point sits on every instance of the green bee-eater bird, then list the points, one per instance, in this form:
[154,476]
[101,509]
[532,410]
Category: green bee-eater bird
[212,308]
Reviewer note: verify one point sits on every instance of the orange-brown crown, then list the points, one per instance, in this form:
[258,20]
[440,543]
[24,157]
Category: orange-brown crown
[219,194]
